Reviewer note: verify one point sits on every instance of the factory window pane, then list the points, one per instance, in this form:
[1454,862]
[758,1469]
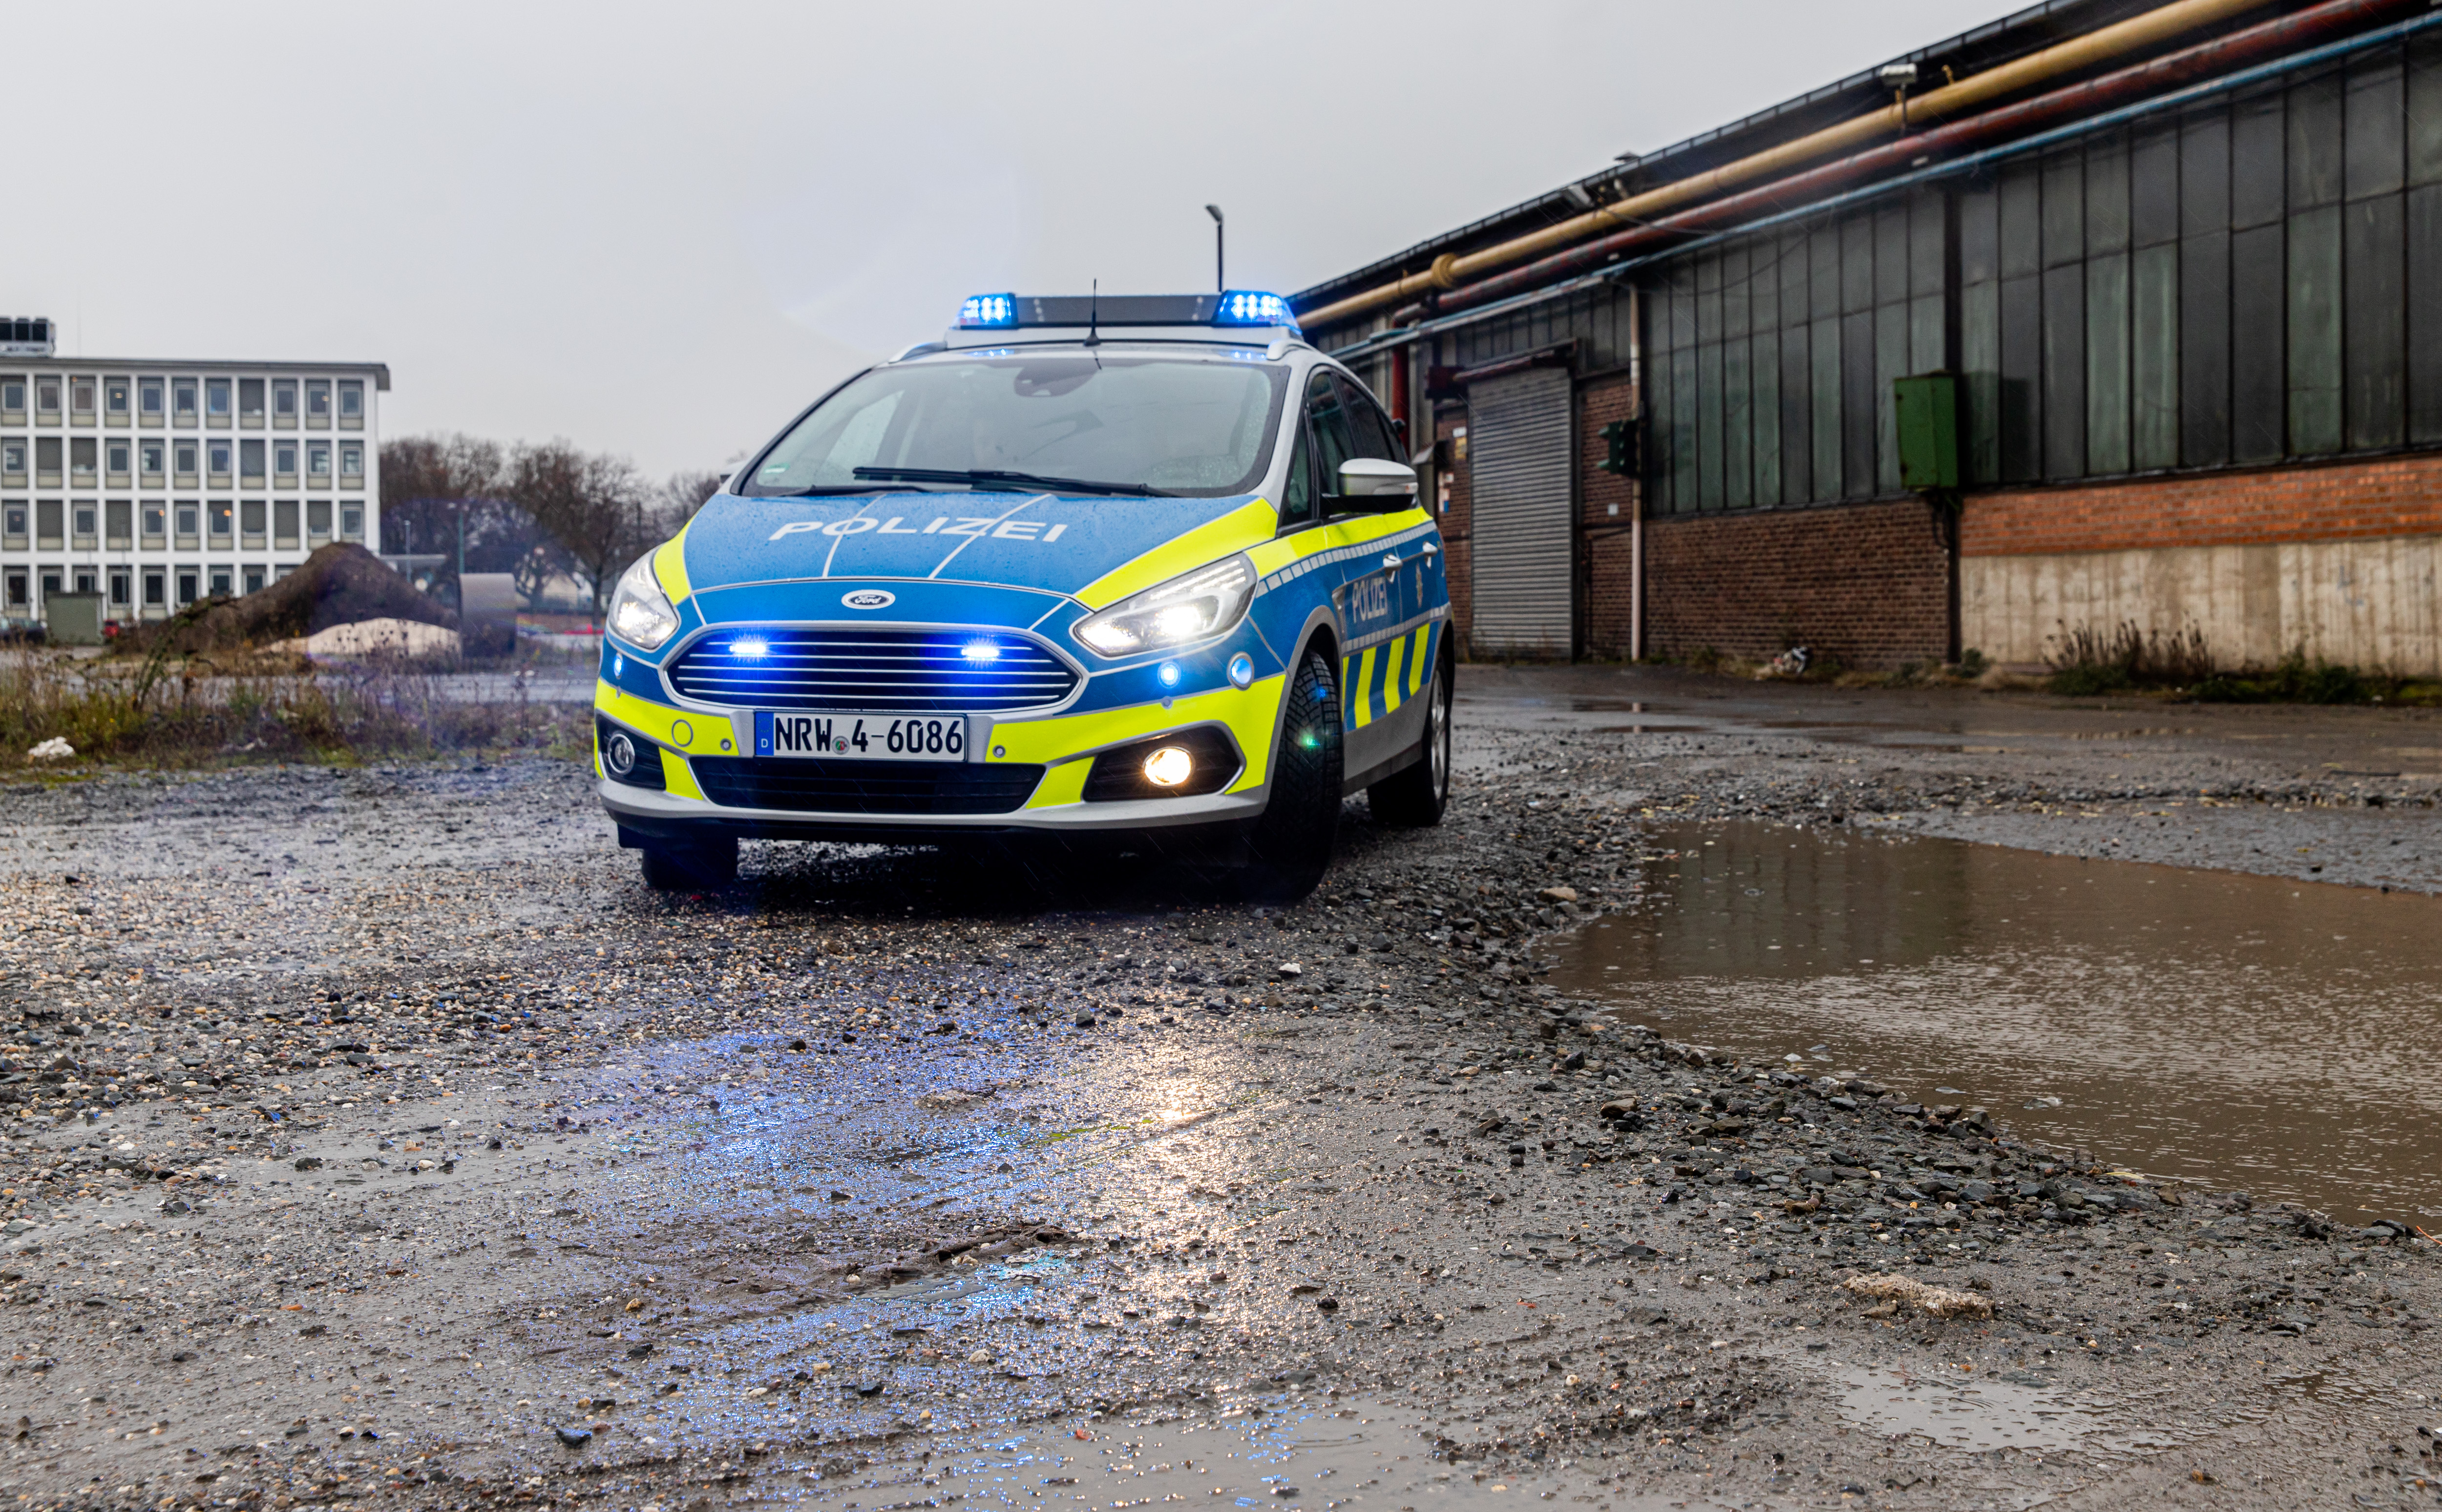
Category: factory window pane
[2315,142]
[1708,413]
[2063,210]
[2204,172]
[2375,147]
[2258,394]
[2107,361]
[1891,253]
[1738,427]
[2374,339]
[2204,349]
[182,399]
[148,399]
[2424,127]
[250,459]
[2021,220]
[2259,192]
[2315,331]
[1763,369]
[284,398]
[1979,233]
[1823,337]
[2424,217]
[216,397]
[318,398]
[352,398]
[1890,363]
[249,398]
[1857,402]
[2020,407]
[2064,362]
[2154,187]
[2106,195]
[1856,236]
[1797,397]
[2154,357]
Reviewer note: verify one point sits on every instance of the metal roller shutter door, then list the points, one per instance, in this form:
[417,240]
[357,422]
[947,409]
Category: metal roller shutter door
[1519,452]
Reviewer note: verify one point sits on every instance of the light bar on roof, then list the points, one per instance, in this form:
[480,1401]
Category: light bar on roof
[1237,308]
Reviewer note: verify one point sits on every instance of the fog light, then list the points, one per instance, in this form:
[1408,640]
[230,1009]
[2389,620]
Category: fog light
[1169,767]
[1242,670]
[619,754]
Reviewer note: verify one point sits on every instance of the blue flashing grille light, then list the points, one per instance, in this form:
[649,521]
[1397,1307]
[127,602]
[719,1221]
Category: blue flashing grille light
[984,312]
[1249,308]
[750,647]
[980,651]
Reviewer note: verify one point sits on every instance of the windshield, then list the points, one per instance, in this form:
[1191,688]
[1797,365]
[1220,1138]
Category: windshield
[1067,422]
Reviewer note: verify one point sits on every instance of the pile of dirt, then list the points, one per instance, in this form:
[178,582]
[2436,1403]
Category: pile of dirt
[340,584]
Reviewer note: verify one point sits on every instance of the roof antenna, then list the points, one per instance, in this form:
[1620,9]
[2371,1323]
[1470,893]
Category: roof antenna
[1094,315]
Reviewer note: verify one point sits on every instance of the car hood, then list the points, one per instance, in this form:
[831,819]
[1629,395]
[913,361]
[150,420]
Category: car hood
[1093,549]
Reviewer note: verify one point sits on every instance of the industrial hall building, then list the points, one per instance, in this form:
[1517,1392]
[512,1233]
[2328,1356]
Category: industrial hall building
[155,483]
[2108,312]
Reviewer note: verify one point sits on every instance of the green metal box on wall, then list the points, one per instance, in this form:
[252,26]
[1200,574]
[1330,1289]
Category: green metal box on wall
[1926,408]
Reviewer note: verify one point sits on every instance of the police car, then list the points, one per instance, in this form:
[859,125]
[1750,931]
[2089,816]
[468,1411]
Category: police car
[1127,569]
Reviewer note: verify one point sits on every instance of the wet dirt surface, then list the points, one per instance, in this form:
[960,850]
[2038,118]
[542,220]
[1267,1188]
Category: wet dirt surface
[2228,1029]
[817,1189]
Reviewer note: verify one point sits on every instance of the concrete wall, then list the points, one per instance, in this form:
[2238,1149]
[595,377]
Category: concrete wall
[2368,602]
[2341,561]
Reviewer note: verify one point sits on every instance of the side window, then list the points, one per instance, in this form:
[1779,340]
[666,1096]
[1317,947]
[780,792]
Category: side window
[1297,499]
[1373,435]
[1335,442]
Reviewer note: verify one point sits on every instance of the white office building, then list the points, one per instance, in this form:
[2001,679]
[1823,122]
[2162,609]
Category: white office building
[157,483]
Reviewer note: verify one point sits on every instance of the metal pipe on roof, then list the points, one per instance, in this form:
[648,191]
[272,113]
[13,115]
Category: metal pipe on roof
[2101,44]
[2301,29]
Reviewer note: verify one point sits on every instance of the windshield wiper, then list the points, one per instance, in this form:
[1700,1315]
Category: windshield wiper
[825,490]
[999,475]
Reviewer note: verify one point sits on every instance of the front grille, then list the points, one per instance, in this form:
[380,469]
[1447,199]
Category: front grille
[866,787]
[920,671]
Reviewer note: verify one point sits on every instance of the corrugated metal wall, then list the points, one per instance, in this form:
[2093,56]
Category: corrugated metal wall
[1521,461]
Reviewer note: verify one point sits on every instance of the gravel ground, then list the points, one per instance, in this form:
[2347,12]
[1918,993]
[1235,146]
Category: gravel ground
[376,1138]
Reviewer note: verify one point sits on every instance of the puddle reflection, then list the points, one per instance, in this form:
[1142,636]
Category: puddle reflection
[2243,1030]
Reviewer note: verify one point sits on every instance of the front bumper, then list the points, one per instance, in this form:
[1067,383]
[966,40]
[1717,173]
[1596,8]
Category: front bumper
[1063,746]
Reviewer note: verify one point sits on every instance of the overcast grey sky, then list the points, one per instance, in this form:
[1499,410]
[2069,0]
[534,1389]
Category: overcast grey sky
[661,230]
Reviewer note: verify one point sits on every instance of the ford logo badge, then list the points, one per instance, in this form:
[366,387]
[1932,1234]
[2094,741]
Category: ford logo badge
[870,598]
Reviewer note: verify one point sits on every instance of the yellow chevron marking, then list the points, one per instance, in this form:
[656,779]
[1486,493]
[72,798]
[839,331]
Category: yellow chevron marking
[1362,685]
[1391,695]
[1416,660]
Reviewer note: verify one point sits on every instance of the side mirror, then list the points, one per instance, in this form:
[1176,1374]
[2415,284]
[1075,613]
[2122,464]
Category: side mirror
[1392,485]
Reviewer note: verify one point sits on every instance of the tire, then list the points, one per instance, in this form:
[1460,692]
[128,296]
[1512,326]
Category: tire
[1414,796]
[1290,845]
[704,865]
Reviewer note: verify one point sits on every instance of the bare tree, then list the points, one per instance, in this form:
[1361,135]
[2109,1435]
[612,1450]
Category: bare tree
[681,497]
[593,504]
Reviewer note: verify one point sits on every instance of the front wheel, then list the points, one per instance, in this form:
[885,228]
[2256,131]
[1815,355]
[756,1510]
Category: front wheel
[1291,844]
[1416,796]
[702,866]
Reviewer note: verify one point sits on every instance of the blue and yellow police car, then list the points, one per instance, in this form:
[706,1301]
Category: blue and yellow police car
[1140,567]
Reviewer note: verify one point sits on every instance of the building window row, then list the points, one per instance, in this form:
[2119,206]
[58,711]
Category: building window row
[84,460]
[2231,286]
[22,589]
[51,523]
[85,399]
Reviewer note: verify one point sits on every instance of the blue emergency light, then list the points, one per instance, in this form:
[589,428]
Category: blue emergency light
[1252,307]
[985,312]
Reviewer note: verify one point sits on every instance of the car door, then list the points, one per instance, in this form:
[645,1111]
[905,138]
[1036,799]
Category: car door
[1387,597]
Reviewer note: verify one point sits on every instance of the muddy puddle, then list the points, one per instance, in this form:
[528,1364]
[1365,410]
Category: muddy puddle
[1284,1454]
[2242,1032]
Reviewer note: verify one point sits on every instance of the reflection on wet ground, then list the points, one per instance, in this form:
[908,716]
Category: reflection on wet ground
[1284,1452]
[2240,1030]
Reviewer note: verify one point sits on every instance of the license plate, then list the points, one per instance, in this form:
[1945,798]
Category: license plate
[862,736]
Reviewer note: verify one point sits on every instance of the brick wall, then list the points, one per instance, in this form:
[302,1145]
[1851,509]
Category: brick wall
[1867,583]
[1607,505]
[2338,500]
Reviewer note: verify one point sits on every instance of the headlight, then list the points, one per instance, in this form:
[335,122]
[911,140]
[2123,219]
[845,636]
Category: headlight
[640,613]
[1193,607]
